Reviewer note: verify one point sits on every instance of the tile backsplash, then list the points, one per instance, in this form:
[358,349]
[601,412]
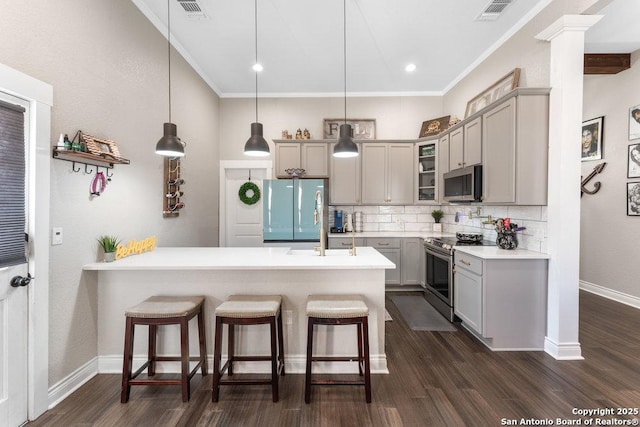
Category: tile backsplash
[418,218]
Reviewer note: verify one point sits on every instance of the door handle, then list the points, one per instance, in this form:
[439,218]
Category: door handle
[17,281]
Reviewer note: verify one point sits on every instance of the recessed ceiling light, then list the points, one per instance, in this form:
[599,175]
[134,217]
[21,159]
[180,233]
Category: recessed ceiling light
[410,68]
[257,68]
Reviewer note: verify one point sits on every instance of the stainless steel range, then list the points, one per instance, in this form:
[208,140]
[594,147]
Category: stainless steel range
[439,278]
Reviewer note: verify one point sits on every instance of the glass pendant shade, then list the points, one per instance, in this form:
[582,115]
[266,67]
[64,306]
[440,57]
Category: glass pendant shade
[345,146]
[170,145]
[256,144]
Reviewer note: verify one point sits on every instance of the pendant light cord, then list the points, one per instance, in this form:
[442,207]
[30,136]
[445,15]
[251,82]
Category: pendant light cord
[169,52]
[256,63]
[344,38]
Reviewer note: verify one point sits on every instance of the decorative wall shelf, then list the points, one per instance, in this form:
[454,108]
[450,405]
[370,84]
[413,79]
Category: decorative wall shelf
[105,160]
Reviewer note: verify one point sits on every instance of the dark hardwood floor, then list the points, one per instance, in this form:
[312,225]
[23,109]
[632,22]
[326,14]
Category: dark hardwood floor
[436,379]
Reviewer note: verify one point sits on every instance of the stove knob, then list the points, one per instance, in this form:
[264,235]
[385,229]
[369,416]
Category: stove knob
[446,246]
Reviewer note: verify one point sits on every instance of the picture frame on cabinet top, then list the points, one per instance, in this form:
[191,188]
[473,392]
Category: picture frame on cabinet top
[494,92]
[361,128]
[434,126]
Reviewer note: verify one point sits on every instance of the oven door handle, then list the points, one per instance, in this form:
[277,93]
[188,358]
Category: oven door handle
[439,255]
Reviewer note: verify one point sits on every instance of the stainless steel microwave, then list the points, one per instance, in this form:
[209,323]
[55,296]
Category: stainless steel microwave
[463,185]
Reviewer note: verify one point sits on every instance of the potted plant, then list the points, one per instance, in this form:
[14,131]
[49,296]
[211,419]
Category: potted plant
[437,215]
[109,245]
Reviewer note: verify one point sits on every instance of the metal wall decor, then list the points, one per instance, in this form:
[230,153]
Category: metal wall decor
[172,203]
[596,185]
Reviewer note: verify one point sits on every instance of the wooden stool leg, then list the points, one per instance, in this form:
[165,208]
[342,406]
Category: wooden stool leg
[360,358]
[217,351]
[127,360]
[367,362]
[307,380]
[274,359]
[203,342]
[280,344]
[184,358]
[231,346]
[151,354]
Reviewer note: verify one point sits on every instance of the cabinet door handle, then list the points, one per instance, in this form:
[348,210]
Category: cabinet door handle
[465,262]
[459,164]
[383,244]
[345,244]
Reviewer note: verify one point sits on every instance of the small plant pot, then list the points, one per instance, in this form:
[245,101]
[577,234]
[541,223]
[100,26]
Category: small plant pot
[437,227]
[507,240]
[109,256]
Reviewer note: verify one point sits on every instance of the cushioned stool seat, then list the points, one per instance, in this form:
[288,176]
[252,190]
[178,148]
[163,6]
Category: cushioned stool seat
[339,310]
[248,310]
[156,311]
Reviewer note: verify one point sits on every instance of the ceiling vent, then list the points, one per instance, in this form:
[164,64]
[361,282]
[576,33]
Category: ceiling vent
[193,9]
[493,10]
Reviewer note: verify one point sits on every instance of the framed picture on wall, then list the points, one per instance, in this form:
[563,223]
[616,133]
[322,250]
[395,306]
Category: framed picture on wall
[633,198]
[634,122]
[633,161]
[592,139]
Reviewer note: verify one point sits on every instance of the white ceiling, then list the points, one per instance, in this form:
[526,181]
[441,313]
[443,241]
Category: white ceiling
[300,42]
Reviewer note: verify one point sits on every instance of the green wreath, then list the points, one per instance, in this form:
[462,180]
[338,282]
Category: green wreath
[244,189]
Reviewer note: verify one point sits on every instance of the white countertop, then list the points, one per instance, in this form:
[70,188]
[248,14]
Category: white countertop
[271,258]
[394,234]
[494,252]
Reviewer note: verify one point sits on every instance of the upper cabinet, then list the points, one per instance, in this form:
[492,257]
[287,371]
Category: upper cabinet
[515,136]
[344,178]
[465,144]
[426,183]
[387,173]
[312,156]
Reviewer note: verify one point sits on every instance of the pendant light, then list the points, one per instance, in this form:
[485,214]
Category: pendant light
[170,145]
[256,145]
[345,146]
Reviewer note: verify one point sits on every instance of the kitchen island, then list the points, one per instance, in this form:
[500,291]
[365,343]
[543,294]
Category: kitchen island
[219,272]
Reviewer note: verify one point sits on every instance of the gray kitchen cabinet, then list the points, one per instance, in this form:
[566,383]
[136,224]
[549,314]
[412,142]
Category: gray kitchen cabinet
[443,163]
[515,149]
[465,144]
[411,256]
[502,301]
[344,179]
[387,173]
[345,242]
[390,248]
[426,178]
[312,156]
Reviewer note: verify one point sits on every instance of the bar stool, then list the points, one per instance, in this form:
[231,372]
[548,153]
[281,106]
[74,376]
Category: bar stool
[248,310]
[157,311]
[339,310]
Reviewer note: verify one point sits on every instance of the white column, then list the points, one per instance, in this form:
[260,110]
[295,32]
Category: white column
[563,223]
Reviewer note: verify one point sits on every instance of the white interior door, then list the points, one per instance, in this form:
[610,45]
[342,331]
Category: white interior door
[243,222]
[13,347]
[14,324]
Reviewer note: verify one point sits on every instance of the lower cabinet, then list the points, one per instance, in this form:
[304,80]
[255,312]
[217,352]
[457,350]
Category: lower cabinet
[390,248]
[411,261]
[345,242]
[502,301]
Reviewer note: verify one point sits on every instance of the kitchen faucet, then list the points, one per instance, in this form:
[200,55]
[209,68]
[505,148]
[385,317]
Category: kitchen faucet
[318,212]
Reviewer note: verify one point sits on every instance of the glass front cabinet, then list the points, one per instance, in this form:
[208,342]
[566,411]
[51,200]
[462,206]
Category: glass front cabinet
[427,171]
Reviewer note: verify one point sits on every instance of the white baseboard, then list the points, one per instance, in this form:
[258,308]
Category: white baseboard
[294,364]
[563,351]
[611,294]
[59,391]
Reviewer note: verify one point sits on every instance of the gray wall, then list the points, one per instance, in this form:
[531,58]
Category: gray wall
[609,238]
[108,68]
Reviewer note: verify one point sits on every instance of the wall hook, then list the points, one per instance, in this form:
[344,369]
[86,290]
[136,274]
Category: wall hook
[109,175]
[85,169]
[73,167]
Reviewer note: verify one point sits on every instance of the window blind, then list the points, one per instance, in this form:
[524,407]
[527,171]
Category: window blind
[12,185]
